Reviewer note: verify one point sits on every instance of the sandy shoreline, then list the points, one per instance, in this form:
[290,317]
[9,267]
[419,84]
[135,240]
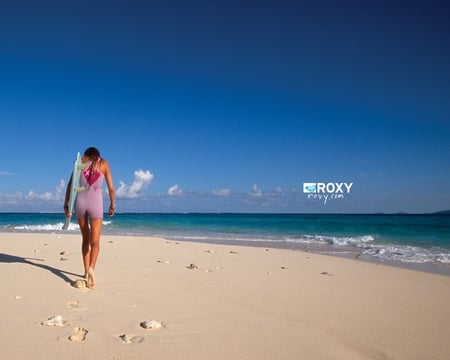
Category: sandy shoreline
[348,252]
[215,302]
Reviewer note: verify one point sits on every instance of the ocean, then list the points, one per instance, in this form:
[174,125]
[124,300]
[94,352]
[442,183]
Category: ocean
[417,241]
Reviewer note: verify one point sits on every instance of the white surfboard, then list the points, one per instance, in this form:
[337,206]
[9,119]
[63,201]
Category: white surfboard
[75,187]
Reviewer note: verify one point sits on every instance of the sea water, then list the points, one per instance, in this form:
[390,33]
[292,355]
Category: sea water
[401,239]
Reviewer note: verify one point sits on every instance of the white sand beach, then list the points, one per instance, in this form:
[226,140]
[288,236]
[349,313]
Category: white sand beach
[159,299]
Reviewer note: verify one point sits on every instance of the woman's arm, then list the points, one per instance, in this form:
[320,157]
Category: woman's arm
[66,199]
[110,185]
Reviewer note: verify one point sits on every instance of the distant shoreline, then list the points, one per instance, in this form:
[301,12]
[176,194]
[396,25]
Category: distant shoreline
[441,212]
[404,240]
[349,253]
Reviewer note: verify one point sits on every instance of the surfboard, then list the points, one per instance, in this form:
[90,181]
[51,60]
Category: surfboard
[75,187]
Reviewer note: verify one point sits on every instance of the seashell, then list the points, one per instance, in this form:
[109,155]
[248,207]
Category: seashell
[131,339]
[54,321]
[151,324]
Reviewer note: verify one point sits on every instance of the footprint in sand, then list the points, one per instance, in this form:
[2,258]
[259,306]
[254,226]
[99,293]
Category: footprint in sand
[163,261]
[192,266]
[326,273]
[79,334]
[80,284]
[131,339]
[73,304]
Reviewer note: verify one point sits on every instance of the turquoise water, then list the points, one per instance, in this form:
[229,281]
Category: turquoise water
[414,239]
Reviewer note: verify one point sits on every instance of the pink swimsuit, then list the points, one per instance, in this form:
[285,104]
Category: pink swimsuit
[90,201]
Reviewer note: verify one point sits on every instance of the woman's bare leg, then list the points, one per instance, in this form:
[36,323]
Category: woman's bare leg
[96,231]
[90,247]
[85,244]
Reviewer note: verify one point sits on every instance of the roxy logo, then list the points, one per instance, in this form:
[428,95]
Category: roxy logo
[326,191]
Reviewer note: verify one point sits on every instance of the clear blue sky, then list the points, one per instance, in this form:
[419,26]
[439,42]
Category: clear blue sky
[228,105]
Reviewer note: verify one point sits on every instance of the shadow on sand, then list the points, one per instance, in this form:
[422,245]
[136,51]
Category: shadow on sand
[6,258]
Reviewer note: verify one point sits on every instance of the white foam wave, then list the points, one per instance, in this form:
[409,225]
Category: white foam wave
[50,227]
[45,227]
[409,254]
[406,254]
[332,240]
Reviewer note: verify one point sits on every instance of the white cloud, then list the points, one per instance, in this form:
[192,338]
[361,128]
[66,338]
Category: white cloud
[175,190]
[256,191]
[221,192]
[142,180]
[61,188]
[35,196]
[34,199]
[57,194]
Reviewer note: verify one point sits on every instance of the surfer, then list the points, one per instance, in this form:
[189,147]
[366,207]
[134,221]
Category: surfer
[89,208]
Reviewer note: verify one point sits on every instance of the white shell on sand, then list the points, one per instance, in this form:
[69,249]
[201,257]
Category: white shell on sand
[54,321]
[131,339]
[151,324]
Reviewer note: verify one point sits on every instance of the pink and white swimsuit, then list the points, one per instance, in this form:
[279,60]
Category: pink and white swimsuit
[89,202]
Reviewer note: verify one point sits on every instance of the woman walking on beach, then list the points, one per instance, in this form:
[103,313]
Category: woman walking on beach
[89,208]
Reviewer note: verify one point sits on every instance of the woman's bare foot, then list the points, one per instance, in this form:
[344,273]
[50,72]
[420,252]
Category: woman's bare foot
[90,278]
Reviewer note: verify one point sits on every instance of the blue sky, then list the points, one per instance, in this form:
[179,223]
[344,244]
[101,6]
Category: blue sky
[219,106]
